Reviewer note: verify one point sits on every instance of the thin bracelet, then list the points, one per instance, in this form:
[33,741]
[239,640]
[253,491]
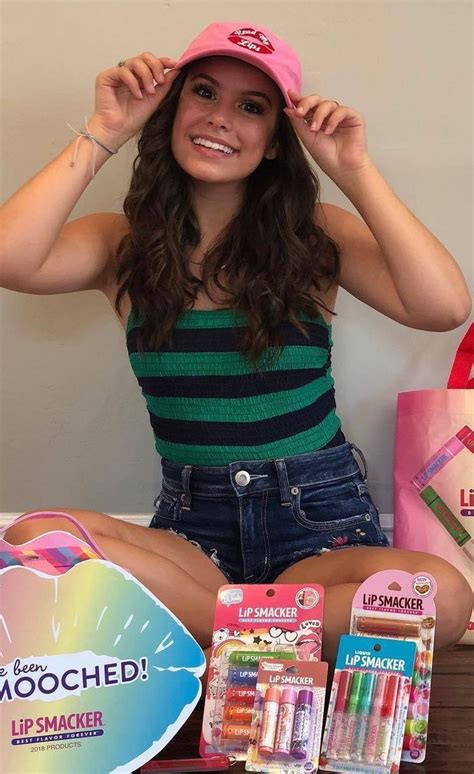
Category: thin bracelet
[94,140]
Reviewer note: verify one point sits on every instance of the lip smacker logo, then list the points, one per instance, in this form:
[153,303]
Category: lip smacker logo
[55,730]
[252,39]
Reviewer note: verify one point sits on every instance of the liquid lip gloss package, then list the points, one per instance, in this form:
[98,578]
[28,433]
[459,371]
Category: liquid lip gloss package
[398,605]
[287,720]
[252,622]
[364,728]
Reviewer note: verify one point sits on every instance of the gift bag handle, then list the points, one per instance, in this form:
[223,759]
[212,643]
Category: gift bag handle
[459,377]
[47,514]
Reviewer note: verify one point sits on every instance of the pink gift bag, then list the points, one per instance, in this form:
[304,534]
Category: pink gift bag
[434,469]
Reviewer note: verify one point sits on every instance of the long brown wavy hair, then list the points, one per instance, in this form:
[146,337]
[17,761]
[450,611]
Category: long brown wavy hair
[273,251]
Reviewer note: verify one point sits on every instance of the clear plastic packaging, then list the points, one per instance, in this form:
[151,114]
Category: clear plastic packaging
[288,715]
[252,622]
[368,705]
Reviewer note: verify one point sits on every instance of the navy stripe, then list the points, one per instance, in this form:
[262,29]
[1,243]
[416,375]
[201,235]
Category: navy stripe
[238,386]
[224,339]
[245,433]
[338,440]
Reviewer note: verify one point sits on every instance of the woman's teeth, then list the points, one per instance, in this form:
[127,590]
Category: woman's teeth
[213,145]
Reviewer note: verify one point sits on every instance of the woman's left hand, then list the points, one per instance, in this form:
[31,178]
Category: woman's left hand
[333,135]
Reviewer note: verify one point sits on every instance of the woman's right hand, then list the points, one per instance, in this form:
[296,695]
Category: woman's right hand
[125,97]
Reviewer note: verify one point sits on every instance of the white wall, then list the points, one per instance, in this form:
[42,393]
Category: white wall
[74,430]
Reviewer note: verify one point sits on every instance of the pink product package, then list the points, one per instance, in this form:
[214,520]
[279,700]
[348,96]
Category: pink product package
[252,621]
[287,719]
[398,605]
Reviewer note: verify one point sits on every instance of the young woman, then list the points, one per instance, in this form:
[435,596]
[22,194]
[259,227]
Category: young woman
[224,272]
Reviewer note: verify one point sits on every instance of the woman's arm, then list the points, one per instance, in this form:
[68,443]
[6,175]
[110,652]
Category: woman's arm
[33,219]
[391,261]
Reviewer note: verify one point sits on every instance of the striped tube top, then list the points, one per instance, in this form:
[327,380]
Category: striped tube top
[208,406]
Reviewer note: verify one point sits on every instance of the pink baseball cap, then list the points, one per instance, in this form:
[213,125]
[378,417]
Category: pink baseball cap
[256,45]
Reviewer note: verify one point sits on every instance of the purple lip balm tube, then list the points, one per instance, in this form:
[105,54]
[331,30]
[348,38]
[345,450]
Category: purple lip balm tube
[300,740]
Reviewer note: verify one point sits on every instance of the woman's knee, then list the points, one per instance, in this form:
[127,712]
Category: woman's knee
[454,600]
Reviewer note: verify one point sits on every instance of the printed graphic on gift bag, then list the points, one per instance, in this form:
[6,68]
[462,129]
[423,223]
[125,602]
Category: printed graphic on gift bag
[463,440]
[96,674]
[433,469]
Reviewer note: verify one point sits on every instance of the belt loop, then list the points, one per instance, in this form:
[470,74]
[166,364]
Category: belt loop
[364,462]
[186,496]
[283,482]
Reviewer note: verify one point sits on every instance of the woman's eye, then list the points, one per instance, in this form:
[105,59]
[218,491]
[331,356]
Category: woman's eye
[199,88]
[255,108]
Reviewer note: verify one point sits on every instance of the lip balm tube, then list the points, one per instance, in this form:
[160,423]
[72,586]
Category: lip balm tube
[271,705]
[300,739]
[238,713]
[386,719]
[286,717]
[387,627]
[244,694]
[215,763]
[351,716]
[363,713]
[235,732]
[462,440]
[449,521]
[238,676]
[250,658]
[374,719]
[399,720]
[338,718]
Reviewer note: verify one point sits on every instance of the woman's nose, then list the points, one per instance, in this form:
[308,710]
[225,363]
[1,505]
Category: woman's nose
[220,116]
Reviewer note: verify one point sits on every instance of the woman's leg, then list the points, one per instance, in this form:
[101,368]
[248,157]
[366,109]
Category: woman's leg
[342,571]
[177,572]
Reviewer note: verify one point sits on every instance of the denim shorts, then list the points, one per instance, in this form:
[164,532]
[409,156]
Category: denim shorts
[255,518]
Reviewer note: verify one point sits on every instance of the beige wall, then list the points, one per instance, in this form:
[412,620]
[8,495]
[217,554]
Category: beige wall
[73,425]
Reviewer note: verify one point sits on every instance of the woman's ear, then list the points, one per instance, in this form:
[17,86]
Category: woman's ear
[272,151]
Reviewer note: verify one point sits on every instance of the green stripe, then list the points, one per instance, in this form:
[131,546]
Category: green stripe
[222,363]
[309,440]
[249,409]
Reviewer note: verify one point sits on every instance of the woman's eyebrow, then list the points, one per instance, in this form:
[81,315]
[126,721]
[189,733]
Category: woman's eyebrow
[248,93]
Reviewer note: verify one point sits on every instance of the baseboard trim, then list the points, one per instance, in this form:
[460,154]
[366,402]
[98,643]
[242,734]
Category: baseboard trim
[143,519]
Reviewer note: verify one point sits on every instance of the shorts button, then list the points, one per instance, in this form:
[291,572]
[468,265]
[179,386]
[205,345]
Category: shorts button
[294,490]
[242,478]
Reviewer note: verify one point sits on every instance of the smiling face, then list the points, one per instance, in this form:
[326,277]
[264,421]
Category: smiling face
[230,103]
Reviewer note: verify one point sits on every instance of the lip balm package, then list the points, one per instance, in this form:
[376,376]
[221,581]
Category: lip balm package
[287,721]
[368,705]
[396,604]
[252,621]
